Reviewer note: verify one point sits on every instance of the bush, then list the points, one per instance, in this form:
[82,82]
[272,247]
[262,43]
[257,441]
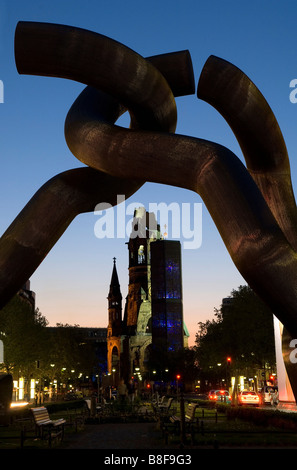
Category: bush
[264,417]
[64,405]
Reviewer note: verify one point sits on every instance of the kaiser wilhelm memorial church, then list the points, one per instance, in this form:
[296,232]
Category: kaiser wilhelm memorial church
[151,322]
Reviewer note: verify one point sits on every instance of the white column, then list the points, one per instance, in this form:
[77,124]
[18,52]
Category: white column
[284,387]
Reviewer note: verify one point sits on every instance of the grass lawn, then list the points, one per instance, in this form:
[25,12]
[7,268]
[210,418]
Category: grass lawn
[214,429]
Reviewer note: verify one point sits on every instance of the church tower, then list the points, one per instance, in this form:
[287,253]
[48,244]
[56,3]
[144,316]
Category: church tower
[114,329]
[152,319]
[144,230]
[137,314]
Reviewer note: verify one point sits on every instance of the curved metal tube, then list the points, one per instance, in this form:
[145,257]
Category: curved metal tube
[198,170]
[50,211]
[46,216]
[93,59]
[239,101]
[255,242]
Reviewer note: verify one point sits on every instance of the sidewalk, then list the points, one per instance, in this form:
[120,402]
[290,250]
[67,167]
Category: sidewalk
[117,436]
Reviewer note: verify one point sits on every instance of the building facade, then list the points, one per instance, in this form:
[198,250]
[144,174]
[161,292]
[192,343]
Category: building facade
[166,297]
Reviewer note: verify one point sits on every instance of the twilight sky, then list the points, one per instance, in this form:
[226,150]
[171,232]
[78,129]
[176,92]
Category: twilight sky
[72,283]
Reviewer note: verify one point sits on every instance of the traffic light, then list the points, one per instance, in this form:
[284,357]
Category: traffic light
[229,360]
[178,376]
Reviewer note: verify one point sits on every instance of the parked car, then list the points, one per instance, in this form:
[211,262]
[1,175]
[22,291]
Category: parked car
[219,396]
[269,395]
[247,397]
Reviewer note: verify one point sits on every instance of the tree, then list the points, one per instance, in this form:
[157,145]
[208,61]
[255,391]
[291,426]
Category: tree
[22,331]
[248,328]
[243,330]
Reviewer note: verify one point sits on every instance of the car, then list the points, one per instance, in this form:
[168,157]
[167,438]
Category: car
[211,394]
[248,397]
[219,396]
[270,395]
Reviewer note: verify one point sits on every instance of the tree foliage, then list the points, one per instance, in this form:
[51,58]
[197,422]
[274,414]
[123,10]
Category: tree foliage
[22,333]
[243,330]
[69,352]
[31,349]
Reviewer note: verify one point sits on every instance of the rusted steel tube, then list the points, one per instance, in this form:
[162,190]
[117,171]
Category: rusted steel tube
[50,211]
[239,101]
[253,238]
[46,216]
[93,59]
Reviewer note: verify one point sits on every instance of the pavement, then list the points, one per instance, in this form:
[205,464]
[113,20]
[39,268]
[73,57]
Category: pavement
[117,436]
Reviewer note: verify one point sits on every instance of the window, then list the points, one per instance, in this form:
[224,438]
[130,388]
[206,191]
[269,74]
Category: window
[141,255]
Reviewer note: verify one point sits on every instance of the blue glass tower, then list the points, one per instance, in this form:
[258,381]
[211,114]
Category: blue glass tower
[166,296]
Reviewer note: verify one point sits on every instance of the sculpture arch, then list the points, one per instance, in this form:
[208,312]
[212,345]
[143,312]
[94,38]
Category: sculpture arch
[253,206]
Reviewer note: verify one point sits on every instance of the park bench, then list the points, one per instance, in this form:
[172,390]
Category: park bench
[159,401]
[45,426]
[173,424]
[165,407]
[189,416]
[161,411]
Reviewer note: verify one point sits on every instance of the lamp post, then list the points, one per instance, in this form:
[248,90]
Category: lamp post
[182,413]
[177,379]
[228,372]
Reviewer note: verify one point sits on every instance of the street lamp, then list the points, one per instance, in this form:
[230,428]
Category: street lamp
[177,379]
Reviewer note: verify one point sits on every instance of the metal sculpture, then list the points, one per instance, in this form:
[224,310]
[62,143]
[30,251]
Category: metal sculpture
[50,211]
[253,207]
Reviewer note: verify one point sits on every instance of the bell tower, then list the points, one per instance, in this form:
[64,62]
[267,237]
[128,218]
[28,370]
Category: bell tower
[144,230]
[114,328]
[137,315]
